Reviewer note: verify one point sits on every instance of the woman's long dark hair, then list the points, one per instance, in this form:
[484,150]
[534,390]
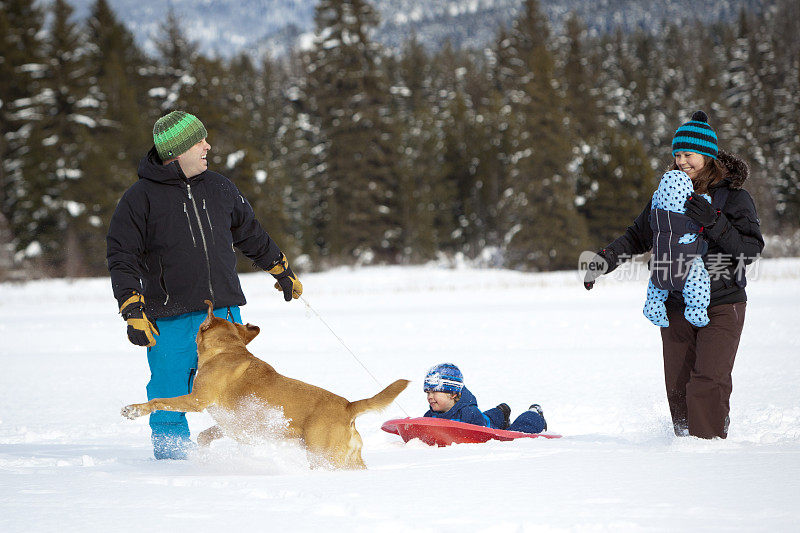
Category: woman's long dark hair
[712,172]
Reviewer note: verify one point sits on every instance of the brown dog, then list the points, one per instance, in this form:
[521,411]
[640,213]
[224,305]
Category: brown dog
[230,381]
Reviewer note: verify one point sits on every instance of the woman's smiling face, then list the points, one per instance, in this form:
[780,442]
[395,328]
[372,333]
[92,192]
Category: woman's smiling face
[690,162]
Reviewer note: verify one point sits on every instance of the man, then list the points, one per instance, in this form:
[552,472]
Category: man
[170,246]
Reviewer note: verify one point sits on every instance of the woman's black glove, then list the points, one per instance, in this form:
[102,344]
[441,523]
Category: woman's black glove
[702,212]
[603,262]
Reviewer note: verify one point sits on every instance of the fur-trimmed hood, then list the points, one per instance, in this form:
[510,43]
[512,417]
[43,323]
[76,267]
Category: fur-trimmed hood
[738,170]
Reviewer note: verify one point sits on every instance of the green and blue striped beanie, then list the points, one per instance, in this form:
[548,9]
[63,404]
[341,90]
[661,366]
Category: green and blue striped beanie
[696,136]
[176,132]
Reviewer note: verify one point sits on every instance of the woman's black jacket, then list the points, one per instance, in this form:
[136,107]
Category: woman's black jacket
[734,241]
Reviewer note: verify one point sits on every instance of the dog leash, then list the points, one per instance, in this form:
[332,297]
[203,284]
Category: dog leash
[308,306]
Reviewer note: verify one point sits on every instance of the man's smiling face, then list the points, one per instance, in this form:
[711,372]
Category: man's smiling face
[193,161]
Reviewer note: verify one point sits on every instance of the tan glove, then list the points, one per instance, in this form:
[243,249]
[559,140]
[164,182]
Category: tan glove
[286,279]
[140,330]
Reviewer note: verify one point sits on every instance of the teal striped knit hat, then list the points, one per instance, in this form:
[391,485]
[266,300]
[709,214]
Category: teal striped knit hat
[696,136]
[175,133]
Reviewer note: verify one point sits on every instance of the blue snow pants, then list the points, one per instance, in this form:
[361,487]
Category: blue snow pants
[528,422]
[173,364]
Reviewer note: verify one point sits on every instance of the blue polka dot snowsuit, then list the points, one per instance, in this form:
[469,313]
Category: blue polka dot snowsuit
[673,190]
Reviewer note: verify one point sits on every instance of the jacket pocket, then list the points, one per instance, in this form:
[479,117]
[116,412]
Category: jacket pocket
[208,217]
[161,281]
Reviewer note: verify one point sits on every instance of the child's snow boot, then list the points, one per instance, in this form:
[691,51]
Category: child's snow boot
[506,414]
[536,408]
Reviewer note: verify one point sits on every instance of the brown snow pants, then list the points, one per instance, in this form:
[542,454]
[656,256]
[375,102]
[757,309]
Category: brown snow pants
[698,363]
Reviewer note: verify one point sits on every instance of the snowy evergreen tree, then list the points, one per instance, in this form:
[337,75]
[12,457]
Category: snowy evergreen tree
[785,161]
[577,81]
[425,194]
[22,92]
[615,183]
[513,155]
[350,96]
[298,163]
[117,103]
[546,231]
[60,203]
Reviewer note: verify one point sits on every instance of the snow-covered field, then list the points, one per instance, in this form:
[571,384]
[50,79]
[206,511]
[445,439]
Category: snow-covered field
[70,462]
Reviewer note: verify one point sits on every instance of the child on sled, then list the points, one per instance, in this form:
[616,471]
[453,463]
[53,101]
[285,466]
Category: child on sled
[450,399]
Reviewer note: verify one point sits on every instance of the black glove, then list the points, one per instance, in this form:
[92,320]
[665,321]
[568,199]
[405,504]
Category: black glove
[286,280]
[140,329]
[603,262]
[702,212]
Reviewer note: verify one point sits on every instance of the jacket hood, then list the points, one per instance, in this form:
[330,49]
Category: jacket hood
[738,170]
[467,399]
[151,167]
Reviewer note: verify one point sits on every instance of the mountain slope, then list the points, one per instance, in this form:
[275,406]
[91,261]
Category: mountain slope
[225,27]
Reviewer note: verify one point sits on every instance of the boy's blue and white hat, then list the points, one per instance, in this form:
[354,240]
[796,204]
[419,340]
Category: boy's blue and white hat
[445,377]
[696,136]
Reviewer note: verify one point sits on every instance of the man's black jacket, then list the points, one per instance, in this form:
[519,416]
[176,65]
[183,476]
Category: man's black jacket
[172,239]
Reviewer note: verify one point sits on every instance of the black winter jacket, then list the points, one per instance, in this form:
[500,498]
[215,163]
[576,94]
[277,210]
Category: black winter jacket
[172,239]
[734,241]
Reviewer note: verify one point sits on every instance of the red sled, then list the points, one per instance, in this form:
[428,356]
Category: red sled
[440,432]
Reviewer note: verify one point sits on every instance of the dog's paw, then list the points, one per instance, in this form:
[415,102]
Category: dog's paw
[131,411]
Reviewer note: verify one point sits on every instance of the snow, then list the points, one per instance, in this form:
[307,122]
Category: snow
[70,462]
[234,158]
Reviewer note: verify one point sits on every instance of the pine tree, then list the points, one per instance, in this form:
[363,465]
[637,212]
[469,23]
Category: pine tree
[68,201]
[456,108]
[122,134]
[750,101]
[785,164]
[615,184]
[543,228]
[349,92]
[577,75]
[298,150]
[424,192]
[21,94]
[253,105]
[172,77]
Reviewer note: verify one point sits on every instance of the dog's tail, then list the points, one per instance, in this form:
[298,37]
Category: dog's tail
[380,400]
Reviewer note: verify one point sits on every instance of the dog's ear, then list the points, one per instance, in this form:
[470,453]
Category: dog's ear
[248,332]
[207,322]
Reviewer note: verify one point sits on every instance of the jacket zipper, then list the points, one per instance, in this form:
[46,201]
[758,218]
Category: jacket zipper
[161,279]
[208,217]
[202,238]
[189,221]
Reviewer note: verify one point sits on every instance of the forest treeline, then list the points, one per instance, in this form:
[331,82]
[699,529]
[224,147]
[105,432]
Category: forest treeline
[521,154]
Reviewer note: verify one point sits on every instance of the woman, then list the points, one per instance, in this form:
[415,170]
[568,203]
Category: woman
[698,361]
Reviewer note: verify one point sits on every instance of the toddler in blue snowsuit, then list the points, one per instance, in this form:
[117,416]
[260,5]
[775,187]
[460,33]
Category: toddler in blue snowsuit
[677,249]
[450,399]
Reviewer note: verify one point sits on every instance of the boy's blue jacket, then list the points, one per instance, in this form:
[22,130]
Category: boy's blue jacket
[465,410]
